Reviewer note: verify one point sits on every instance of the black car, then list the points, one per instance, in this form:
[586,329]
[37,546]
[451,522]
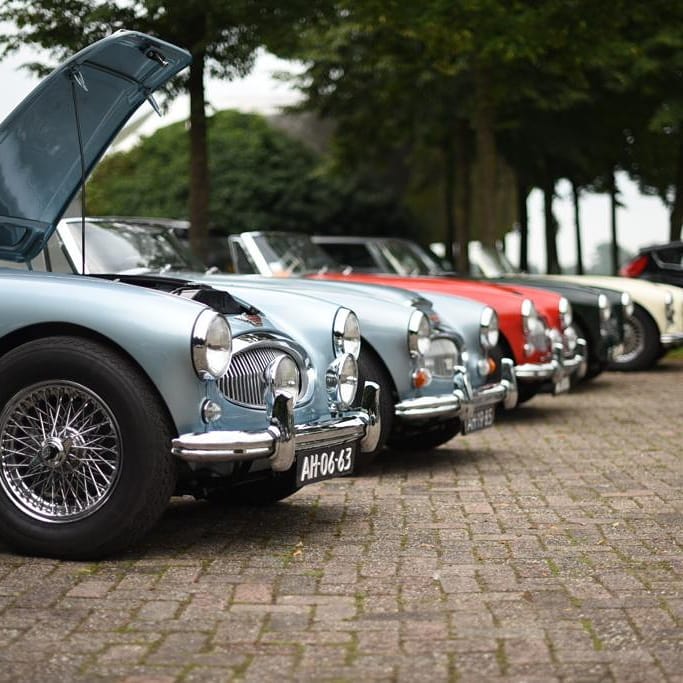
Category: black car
[657,263]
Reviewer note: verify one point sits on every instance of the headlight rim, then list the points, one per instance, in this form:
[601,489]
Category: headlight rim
[335,372]
[199,341]
[628,304]
[271,371]
[605,307]
[419,333]
[564,307]
[342,318]
[489,328]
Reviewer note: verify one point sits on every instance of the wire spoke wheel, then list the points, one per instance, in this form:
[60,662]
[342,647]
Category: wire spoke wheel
[634,341]
[60,451]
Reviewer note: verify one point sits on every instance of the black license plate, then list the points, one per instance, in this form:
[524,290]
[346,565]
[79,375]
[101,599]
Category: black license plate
[481,419]
[335,461]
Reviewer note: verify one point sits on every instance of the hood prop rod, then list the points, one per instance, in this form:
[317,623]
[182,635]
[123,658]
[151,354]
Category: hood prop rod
[77,79]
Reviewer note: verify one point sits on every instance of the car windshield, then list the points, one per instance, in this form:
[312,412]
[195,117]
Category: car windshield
[290,254]
[124,247]
[489,261]
[407,258]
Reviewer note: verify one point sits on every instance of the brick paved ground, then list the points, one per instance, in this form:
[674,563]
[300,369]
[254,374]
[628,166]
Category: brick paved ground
[547,548]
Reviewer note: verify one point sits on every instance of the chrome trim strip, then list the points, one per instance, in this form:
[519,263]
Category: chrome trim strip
[671,339]
[280,441]
[464,400]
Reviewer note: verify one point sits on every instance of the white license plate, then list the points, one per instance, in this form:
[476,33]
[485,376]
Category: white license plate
[562,386]
[481,419]
[325,463]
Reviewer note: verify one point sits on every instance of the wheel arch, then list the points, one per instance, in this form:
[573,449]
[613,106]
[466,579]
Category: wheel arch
[36,331]
[367,346]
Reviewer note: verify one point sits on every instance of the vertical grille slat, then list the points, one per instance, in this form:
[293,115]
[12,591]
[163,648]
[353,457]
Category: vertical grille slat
[244,382]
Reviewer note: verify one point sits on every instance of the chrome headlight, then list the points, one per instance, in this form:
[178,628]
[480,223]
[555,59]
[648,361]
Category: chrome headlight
[342,380]
[566,313]
[488,328]
[211,345]
[530,317]
[283,375]
[535,330]
[627,303]
[346,333]
[605,308]
[419,333]
[442,357]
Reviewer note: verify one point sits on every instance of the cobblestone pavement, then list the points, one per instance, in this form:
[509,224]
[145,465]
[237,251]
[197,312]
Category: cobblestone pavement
[546,548]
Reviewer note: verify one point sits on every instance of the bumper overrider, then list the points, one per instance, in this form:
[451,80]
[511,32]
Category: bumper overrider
[282,439]
[557,370]
[671,340]
[464,400]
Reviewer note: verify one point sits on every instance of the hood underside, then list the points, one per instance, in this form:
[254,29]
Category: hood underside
[82,104]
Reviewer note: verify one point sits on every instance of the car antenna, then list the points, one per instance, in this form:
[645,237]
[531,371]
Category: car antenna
[77,79]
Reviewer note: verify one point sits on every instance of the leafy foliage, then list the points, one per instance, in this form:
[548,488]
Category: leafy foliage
[261,178]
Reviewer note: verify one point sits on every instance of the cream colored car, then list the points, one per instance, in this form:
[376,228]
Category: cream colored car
[655,327]
[656,324]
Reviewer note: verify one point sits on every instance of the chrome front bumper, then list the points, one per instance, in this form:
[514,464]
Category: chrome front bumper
[557,369]
[280,441]
[464,399]
[671,340]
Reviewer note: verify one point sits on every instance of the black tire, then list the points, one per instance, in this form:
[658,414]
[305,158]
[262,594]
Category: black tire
[265,491]
[526,391]
[108,452]
[370,368]
[428,439]
[641,343]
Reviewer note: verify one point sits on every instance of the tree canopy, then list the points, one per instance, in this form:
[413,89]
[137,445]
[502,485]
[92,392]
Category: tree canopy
[456,109]
[262,179]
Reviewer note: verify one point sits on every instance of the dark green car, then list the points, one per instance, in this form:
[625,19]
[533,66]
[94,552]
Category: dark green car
[598,313]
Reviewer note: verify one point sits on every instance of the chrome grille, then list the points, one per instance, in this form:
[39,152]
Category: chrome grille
[244,382]
[441,358]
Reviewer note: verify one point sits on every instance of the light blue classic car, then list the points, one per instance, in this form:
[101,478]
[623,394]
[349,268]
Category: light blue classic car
[115,396]
[428,396]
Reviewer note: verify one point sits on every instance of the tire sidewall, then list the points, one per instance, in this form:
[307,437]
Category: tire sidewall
[117,385]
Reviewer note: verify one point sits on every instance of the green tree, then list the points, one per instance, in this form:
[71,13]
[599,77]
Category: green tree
[442,80]
[222,36]
[261,177]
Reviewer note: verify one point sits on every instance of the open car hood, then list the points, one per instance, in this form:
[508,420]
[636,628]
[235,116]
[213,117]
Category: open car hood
[40,161]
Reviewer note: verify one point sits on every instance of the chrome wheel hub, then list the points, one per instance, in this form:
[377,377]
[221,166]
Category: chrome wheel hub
[634,341]
[60,451]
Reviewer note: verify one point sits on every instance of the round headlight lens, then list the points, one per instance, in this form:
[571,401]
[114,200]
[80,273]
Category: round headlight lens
[211,345]
[529,316]
[566,313]
[419,333]
[605,308]
[488,328]
[627,303]
[342,380]
[283,375]
[346,333]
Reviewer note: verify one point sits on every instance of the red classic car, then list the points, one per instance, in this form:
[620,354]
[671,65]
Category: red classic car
[535,325]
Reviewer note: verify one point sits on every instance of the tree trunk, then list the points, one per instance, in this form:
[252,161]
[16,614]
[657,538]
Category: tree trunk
[552,262]
[449,201]
[463,194]
[577,227]
[676,216]
[523,214]
[485,194]
[199,160]
[614,251]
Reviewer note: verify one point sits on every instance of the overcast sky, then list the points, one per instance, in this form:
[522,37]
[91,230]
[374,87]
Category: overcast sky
[642,220]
